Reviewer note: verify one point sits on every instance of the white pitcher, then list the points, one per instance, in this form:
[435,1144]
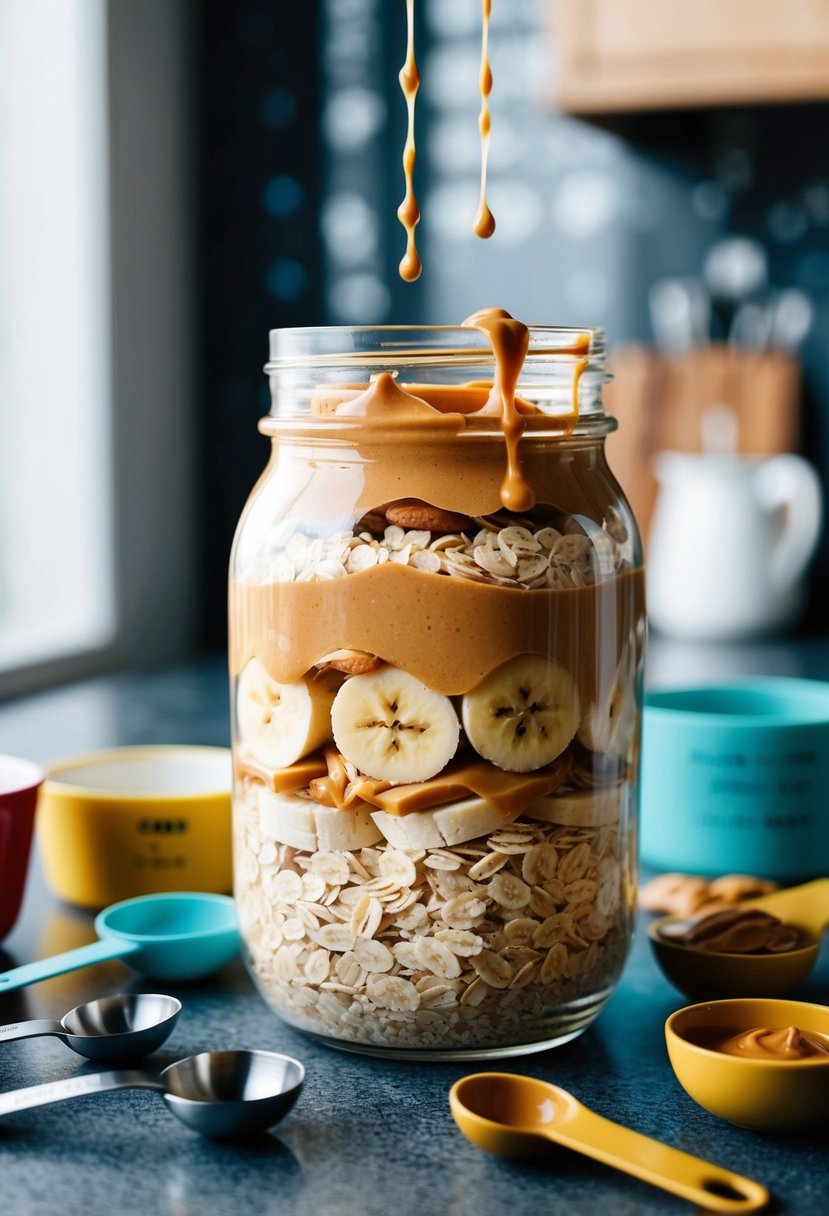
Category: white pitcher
[730,541]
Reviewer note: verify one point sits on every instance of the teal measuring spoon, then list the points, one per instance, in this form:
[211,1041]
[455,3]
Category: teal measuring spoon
[182,935]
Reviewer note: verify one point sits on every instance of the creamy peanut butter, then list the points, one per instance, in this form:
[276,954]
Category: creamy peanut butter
[735,931]
[762,1043]
[447,632]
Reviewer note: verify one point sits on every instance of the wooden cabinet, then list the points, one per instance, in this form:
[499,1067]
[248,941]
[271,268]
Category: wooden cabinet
[618,55]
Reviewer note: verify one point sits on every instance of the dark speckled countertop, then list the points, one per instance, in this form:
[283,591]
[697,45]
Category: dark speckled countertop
[367,1137]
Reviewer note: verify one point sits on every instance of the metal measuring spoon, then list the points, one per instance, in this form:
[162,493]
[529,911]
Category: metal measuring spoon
[519,1117]
[222,1094]
[120,1027]
[705,974]
[182,935]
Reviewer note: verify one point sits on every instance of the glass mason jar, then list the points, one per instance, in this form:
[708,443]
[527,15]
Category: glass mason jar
[436,700]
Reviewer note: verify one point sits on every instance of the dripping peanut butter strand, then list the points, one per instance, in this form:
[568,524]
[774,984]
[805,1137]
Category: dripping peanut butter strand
[510,340]
[484,224]
[408,212]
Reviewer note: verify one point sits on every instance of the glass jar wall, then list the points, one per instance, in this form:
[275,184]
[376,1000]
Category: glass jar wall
[435,697]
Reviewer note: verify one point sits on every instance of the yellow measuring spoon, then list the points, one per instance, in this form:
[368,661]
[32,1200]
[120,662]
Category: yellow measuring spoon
[703,974]
[518,1117]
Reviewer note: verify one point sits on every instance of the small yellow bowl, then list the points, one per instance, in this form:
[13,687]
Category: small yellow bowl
[762,1095]
[133,821]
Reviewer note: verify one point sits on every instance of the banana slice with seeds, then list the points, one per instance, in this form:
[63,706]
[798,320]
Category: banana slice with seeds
[522,715]
[392,727]
[281,723]
[609,726]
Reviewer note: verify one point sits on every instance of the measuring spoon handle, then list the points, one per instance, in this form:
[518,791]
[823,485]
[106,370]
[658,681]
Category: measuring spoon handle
[71,960]
[806,905]
[76,1087]
[30,1030]
[711,1186]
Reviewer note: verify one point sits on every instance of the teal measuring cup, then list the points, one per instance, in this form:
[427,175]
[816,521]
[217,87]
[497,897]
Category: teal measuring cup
[182,935]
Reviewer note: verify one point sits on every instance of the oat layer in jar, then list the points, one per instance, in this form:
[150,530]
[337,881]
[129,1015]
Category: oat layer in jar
[436,637]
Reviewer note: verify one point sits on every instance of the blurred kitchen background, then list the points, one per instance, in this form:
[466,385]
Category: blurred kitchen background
[177,177]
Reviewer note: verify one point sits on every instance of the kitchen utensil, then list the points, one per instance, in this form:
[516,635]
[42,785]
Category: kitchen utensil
[703,587]
[20,781]
[791,320]
[703,973]
[222,1094]
[134,821]
[764,1095]
[734,778]
[734,269]
[520,1117]
[751,327]
[183,935]
[125,1026]
[680,314]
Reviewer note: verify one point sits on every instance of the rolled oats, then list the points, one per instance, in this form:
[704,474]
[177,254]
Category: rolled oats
[460,941]
[539,864]
[463,911]
[366,917]
[493,970]
[437,958]
[331,867]
[383,948]
[489,864]
[392,992]
[508,891]
[339,938]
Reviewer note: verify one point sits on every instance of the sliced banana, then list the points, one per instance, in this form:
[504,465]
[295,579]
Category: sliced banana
[585,809]
[280,723]
[523,714]
[609,725]
[392,727]
[297,820]
[415,831]
[450,825]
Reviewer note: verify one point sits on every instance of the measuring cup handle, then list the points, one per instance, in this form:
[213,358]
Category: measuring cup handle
[712,1187]
[46,968]
[30,1030]
[76,1087]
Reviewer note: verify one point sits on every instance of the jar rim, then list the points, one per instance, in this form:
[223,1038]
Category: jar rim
[332,345]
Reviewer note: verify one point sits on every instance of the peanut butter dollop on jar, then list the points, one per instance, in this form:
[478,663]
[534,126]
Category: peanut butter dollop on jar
[436,643]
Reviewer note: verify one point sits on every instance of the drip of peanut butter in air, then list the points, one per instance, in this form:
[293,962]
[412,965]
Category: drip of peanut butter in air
[484,224]
[408,212]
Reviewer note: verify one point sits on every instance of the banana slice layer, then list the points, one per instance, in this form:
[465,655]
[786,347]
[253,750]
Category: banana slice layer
[281,723]
[522,715]
[392,727]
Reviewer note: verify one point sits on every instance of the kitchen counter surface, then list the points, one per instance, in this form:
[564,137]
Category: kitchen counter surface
[367,1137]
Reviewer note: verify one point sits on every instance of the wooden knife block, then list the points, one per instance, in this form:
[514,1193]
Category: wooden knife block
[659,401]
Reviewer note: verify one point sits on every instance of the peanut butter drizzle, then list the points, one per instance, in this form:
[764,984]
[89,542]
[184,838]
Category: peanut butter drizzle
[761,1043]
[510,341]
[408,212]
[484,224]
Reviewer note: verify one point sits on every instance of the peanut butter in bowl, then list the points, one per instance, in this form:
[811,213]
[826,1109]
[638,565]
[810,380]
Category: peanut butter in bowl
[437,621]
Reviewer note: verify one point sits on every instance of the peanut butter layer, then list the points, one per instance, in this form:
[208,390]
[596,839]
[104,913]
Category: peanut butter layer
[447,632]
[509,792]
[329,470]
